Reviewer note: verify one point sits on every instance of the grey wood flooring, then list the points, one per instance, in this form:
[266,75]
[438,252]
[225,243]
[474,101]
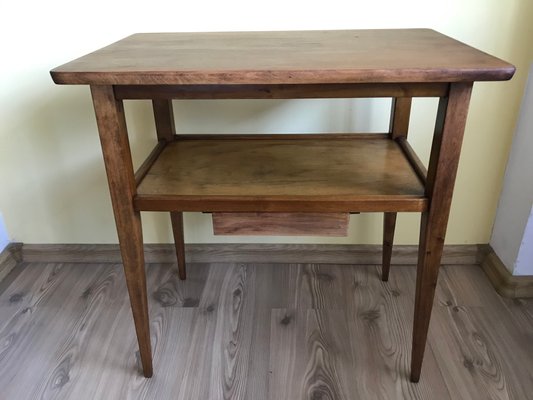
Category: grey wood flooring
[258,331]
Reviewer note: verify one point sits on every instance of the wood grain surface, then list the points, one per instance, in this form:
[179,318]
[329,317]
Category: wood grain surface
[299,224]
[259,331]
[165,128]
[286,91]
[279,173]
[113,133]
[397,55]
[443,164]
[389,225]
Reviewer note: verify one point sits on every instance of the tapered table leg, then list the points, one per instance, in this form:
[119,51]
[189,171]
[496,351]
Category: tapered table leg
[166,130]
[451,119]
[117,157]
[398,128]
[177,229]
[389,224]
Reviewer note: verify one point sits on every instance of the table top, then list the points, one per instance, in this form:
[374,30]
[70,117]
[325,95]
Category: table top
[292,57]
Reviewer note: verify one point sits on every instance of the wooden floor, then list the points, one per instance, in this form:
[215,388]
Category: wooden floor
[257,331]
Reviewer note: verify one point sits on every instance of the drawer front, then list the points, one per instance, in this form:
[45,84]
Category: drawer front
[288,224]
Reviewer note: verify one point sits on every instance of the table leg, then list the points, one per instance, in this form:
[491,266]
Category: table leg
[166,129]
[119,168]
[164,119]
[445,150]
[399,119]
[177,229]
[398,127]
[389,224]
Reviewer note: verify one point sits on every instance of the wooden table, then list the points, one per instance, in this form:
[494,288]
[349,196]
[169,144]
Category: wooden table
[306,173]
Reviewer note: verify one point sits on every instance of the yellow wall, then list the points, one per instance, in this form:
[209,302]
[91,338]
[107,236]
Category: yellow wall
[53,187]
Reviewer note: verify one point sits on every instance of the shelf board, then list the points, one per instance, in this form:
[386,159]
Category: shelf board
[281,175]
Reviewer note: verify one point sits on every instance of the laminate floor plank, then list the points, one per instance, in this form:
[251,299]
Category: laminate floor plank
[99,325]
[270,292]
[261,332]
[51,304]
[479,346]
[7,279]
[170,291]
[381,319]
[521,311]
[478,356]
[462,285]
[232,339]
[28,290]
[316,286]
[516,372]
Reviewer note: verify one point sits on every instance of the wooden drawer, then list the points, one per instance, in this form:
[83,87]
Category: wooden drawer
[281,224]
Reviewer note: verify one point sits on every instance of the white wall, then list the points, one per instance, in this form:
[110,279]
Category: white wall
[53,186]
[524,260]
[510,239]
[4,238]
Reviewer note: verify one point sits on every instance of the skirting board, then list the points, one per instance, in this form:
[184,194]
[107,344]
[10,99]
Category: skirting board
[9,258]
[248,253]
[506,284]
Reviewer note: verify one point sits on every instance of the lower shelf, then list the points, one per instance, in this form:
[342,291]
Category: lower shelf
[281,175]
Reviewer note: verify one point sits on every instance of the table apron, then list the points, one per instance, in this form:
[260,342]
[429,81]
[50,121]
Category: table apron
[284,91]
